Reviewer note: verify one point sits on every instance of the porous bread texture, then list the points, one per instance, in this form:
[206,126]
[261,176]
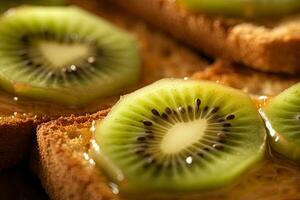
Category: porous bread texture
[68,174]
[60,164]
[251,81]
[160,57]
[266,44]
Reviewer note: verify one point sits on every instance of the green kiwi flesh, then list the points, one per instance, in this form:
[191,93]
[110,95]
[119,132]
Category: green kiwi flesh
[64,55]
[180,136]
[5,5]
[243,8]
[282,115]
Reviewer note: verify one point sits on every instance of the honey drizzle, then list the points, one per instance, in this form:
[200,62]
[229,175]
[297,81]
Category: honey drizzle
[13,106]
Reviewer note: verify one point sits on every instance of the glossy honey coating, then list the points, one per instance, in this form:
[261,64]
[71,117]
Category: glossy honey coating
[282,115]
[180,135]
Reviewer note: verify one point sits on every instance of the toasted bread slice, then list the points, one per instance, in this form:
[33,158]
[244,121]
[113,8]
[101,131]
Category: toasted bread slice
[266,44]
[251,81]
[18,125]
[67,172]
[161,57]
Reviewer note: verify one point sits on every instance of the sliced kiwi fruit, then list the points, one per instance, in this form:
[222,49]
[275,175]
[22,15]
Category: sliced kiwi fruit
[5,5]
[282,114]
[243,8]
[180,136]
[64,55]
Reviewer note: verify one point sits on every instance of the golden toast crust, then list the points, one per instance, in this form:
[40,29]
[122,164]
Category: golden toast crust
[267,45]
[248,80]
[63,171]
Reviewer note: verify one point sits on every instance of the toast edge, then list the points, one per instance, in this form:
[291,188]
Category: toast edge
[233,39]
[61,170]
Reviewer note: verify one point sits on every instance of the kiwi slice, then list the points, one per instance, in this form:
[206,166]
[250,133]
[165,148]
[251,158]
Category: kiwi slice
[180,136]
[243,8]
[282,114]
[5,5]
[64,55]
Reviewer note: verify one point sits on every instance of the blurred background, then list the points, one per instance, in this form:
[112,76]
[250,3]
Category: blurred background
[19,183]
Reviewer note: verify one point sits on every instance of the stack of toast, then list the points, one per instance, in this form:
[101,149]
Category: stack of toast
[259,57]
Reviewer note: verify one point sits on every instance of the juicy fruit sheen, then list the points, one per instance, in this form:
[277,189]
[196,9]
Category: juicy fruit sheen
[244,8]
[64,55]
[180,136]
[283,120]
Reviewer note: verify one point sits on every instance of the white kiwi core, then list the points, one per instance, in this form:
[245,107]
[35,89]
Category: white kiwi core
[182,135]
[59,54]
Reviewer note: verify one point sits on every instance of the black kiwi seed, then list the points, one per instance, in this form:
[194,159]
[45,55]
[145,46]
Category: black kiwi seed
[151,160]
[181,109]
[168,110]
[140,151]
[38,65]
[147,123]
[141,138]
[218,146]
[198,102]
[175,113]
[155,112]
[215,109]
[200,154]
[150,136]
[226,125]
[222,135]
[230,117]
[221,120]
[205,109]
[164,116]
[190,109]
[225,130]
[223,141]
[206,149]
[25,38]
